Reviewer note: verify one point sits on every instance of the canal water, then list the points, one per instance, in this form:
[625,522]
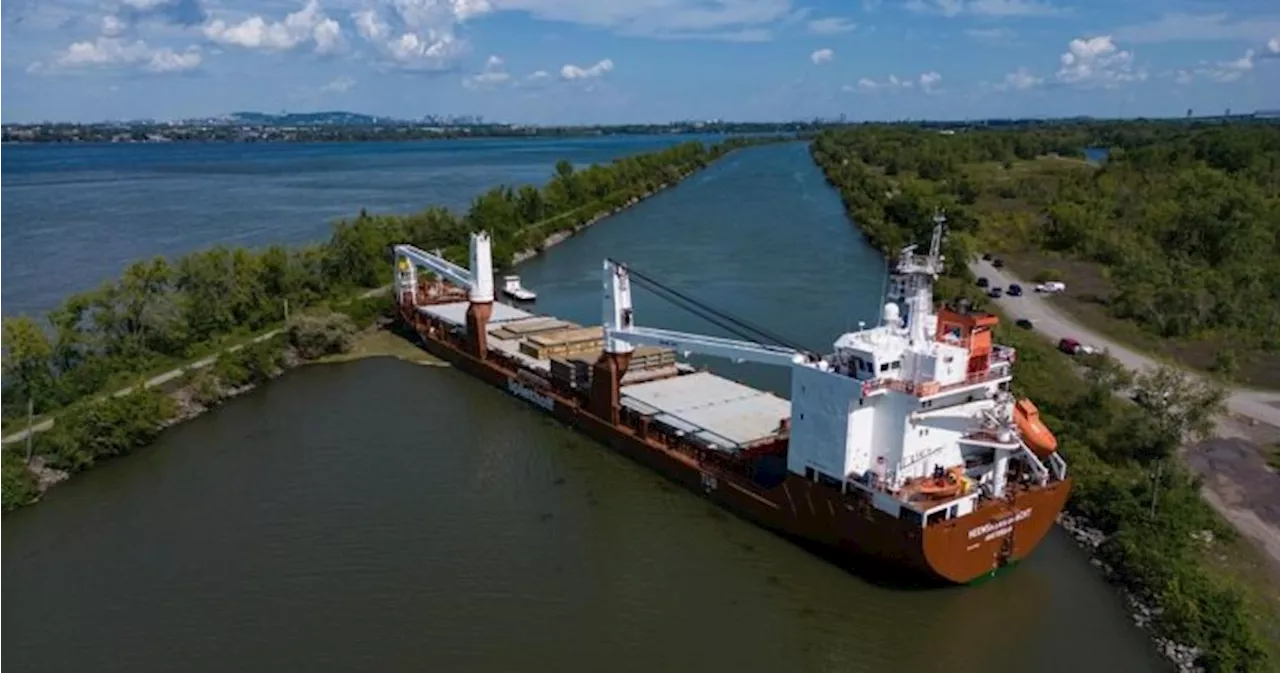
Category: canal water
[384,516]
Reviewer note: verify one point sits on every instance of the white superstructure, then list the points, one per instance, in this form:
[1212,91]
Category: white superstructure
[896,407]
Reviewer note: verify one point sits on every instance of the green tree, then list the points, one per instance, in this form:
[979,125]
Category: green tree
[27,362]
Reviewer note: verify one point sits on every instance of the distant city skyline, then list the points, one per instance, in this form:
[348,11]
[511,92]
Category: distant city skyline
[637,61]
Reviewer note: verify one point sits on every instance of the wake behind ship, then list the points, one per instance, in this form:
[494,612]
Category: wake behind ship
[904,445]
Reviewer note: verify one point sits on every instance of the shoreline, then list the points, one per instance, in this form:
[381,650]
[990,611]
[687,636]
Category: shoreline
[186,397]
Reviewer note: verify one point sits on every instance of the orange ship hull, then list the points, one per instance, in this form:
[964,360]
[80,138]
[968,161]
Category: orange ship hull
[845,527]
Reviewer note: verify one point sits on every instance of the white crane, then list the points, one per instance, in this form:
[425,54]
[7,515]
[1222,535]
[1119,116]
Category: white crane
[478,280]
[622,336]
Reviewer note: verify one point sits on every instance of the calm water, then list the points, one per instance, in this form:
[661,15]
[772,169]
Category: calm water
[385,516]
[76,215]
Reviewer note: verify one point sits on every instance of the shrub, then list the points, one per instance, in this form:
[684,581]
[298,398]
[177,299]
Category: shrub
[1047,275]
[317,335]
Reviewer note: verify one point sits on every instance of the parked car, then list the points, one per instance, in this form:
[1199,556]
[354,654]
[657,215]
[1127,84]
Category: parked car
[1024,323]
[997,262]
[982,282]
[1015,290]
[995,293]
[986,257]
[1069,346]
[1051,287]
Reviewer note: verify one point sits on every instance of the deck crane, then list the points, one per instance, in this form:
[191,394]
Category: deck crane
[478,281]
[621,336]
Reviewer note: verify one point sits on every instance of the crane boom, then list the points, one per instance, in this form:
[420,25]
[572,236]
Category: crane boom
[621,335]
[478,280]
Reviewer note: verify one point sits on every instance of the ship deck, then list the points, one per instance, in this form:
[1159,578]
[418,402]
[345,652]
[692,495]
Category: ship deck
[455,313]
[716,411]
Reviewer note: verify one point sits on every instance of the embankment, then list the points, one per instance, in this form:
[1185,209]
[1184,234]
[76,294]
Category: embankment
[231,292]
[1141,519]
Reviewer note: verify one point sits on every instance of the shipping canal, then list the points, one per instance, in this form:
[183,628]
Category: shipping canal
[384,516]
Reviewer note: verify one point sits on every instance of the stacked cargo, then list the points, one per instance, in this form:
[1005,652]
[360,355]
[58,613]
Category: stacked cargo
[561,343]
[647,362]
[519,329]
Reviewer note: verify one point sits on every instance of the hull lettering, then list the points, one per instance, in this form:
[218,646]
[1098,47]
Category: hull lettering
[994,529]
[530,395]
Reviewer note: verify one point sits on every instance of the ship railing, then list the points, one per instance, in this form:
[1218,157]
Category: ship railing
[931,388]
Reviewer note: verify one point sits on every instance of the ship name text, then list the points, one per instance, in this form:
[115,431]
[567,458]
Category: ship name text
[995,529]
[530,395]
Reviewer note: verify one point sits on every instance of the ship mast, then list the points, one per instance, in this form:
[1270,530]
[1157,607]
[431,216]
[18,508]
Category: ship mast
[914,276]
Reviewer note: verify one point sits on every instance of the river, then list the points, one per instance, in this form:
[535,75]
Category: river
[76,215]
[383,516]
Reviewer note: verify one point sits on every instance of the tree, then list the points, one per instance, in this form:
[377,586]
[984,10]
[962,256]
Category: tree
[27,362]
[1176,408]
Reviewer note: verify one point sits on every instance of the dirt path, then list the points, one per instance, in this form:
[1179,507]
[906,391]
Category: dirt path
[1237,482]
[161,379]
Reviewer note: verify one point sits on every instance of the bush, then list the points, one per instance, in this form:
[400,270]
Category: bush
[19,484]
[111,427]
[317,335]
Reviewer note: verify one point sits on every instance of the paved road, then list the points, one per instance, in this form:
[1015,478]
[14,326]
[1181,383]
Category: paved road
[1054,323]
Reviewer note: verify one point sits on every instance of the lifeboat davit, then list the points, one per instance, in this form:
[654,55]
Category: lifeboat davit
[1034,432]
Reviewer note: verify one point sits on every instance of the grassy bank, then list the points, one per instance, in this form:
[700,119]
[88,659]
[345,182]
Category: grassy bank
[144,313]
[1158,536]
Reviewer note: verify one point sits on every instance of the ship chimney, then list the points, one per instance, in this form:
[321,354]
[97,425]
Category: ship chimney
[480,296]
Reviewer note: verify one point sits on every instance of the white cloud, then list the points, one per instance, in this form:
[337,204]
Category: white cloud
[999,8]
[1019,80]
[309,24]
[493,73]
[662,18]
[570,71]
[112,25]
[338,85]
[1097,61]
[993,35]
[1222,71]
[929,81]
[419,34]
[114,52]
[1181,27]
[822,56]
[1273,48]
[831,26]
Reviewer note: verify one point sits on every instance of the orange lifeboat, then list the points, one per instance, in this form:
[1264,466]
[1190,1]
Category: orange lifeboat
[954,483]
[1034,432]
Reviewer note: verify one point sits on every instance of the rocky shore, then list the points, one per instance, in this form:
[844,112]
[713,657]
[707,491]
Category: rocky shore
[1144,613]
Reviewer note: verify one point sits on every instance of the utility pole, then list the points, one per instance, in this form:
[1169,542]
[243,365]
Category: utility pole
[286,310]
[1155,486]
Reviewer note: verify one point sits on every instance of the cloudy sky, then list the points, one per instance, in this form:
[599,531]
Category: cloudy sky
[571,61]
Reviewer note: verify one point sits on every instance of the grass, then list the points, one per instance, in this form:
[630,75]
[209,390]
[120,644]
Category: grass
[1240,563]
[384,343]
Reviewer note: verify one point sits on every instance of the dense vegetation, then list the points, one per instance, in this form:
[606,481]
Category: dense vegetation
[1126,485]
[1177,231]
[160,313]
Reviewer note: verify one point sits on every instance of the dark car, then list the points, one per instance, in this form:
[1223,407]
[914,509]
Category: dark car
[1024,323]
[1015,290]
[986,257]
[982,282]
[995,293]
[997,262]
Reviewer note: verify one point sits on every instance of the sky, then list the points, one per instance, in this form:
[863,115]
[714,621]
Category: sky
[617,61]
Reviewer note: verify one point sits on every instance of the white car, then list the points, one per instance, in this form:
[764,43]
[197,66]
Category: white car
[1051,287]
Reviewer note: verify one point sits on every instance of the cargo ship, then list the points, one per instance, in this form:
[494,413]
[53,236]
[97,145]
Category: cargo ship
[903,446]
